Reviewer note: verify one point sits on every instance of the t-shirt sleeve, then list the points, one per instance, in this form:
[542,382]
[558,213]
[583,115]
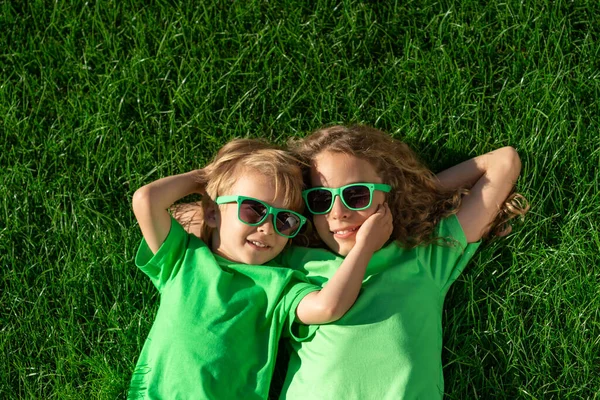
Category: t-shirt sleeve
[293,328]
[447,261]
[164,265]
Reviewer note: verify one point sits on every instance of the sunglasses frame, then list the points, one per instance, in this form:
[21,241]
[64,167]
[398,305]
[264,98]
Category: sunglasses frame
[338,192]
[270,211]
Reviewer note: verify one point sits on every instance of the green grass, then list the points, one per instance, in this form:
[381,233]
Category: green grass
[101,97]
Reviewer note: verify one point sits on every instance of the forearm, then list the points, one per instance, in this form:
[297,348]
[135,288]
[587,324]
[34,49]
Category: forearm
[163,192]
[332,302]
[486,197]
[339,294]
[465,174]
[150,204]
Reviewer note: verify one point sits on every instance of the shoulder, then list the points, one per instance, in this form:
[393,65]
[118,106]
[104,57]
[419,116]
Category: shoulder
[297,256]
[449,228]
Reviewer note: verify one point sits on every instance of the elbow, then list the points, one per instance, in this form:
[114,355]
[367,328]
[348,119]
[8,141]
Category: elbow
[326,314]
[508,159]
[513,158]
[330,313]
[140,201]
[316,309]
[321,314]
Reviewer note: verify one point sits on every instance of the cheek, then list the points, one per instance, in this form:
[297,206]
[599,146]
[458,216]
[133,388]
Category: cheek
[229,221]
[281,243]
[378,200]
[378,197]
[361,216]
[320,223]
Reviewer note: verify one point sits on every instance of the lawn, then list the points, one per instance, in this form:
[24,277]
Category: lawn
[98,98]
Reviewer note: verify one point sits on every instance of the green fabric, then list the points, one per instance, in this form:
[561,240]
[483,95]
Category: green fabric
[216,331]
[389,345]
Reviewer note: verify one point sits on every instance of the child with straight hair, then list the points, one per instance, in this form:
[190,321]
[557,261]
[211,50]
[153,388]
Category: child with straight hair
[389,345]
[225,299]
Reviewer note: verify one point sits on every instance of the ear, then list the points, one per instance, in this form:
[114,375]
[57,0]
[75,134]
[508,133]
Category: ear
[210,215]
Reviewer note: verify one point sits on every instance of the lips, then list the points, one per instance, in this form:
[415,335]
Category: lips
[345,232]
[257,244]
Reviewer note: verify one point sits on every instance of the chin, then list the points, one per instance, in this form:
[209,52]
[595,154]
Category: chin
[253,261]
[342,250]
[258,260]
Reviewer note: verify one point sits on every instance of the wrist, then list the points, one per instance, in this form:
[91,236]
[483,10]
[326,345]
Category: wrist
[199,179]
[362,249]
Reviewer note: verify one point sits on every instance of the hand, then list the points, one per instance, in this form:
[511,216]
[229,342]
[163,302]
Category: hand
[200,177]
[376,230]
[505,231]
[151,202]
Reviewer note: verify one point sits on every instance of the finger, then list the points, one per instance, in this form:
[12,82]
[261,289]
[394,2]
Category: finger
[388,215]
[385,209]
[378,211]
[505,232]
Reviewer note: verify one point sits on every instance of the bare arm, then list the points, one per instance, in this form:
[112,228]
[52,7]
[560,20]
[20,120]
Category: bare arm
[490,178]
[335,299]
[150,204]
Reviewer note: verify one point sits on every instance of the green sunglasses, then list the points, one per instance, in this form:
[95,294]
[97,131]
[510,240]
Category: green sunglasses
[253,212]
[356,196]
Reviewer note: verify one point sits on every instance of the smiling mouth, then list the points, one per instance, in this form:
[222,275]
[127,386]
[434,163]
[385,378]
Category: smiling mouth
[258,244]
[343,232]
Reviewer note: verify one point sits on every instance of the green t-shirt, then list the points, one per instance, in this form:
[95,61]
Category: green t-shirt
[216,331]
[389,345]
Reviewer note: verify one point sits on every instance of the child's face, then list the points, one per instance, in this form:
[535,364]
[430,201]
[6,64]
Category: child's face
[338,227]
[236,241]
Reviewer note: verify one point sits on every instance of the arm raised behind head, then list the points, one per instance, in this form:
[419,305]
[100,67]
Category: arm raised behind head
[490,178]
[150,204]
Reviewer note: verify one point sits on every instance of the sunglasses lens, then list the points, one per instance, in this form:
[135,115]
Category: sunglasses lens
[318,201]
[357,197]
[287,223]
[252,212]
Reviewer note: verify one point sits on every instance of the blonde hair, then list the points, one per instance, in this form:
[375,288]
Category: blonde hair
[417,201]
[238,157]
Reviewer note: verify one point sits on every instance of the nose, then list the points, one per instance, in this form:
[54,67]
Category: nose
[267,226]
[338,210]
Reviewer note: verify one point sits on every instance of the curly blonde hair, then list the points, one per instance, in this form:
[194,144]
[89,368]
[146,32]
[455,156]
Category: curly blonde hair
[417,200]
[236,158]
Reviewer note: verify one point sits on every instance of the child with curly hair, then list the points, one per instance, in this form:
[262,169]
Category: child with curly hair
[389,345]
